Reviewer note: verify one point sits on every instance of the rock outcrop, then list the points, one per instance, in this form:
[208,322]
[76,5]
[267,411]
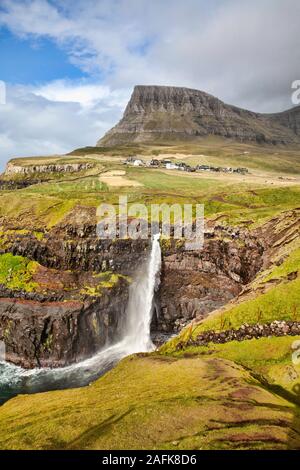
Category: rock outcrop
[289,118]
[195,283]
[82,289]
[54,334]
[10,184]
[162,113]
[14,169]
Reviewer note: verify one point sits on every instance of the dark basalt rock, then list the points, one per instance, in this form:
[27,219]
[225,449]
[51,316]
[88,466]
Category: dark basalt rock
[55,334]
[195,283]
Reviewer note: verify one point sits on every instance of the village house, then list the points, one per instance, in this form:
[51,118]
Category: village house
[203,167]
[154,162]
[182,166]
[134,161]
[171,166]
[219,169]
[138,162]
[243,171]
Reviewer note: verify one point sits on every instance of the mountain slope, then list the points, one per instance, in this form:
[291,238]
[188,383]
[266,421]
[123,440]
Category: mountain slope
[156,113]
[289,118]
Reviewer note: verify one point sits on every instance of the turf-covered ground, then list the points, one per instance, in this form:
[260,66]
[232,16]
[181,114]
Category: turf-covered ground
[272,185]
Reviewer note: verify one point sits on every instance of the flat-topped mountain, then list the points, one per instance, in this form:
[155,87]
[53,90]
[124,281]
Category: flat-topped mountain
[164,113]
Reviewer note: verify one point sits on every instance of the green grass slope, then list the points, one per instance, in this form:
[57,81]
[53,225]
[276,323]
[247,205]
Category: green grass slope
[152,402]
[235,200]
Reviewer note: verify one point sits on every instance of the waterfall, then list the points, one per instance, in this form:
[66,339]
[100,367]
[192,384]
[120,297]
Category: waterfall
[140,304]
[135,338]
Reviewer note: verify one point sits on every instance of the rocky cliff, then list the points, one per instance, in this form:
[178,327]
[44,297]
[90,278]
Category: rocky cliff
[289,118]
[195,283]
[57,333]
[63,295]
[15,169]
[162,113]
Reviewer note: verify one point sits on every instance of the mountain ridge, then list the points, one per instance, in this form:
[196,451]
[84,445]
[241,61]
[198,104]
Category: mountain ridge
[156,113]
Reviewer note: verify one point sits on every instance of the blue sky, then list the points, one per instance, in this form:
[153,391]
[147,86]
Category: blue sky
[27,61]
[70,66]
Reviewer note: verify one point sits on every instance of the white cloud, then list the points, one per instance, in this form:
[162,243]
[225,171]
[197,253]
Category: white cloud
[32,124]
[244,52]
[87,95]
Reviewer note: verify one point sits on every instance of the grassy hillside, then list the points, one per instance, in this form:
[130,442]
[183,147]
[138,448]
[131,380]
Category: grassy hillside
[271,186]
[155,402]
[210,150]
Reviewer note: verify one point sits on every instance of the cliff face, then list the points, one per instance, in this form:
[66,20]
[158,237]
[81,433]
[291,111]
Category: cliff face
[195,283]
[57,333]
[74,297]
[157,113]
[70,315]
[290,119]
[13,169]
[75,301]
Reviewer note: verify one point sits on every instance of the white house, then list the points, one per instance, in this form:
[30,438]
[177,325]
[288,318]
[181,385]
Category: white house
[138,162]
[172,166]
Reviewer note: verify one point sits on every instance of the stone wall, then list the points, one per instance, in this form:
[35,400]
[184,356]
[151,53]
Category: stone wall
[245,332]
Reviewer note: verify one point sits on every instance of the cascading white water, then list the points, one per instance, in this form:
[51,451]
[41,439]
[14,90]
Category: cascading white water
[135,338]
[140,305]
